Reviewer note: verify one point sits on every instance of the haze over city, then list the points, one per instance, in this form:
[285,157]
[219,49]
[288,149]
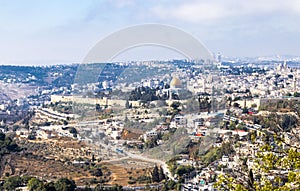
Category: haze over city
[55,32]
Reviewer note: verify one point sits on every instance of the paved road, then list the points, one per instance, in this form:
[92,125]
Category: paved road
[128,154]
[159,162]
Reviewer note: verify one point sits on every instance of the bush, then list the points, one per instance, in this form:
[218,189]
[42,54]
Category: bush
[73,130]
[64,184]
[181,170]
[35,184]
[13,182]
[97,172]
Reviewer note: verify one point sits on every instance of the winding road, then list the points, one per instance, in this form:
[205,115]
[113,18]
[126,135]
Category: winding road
[128,154]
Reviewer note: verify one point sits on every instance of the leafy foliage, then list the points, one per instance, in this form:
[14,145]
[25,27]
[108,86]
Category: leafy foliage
[7,145]
[64,184]
[144,94]
[276,166]
[13,182]
[155,174]
[217,153]
[158,174]
[35,184]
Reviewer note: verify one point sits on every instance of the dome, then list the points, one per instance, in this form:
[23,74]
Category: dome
[175,83]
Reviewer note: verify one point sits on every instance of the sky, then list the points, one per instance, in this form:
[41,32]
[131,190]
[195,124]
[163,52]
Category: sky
[40,32]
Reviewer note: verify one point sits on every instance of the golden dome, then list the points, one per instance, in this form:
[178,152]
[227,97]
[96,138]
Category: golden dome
[175,82]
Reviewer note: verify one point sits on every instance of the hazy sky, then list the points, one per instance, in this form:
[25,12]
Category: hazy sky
[63,31]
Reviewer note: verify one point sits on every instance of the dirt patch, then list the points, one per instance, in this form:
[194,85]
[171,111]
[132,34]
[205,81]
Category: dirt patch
[47,169]
[130,172]
[130,134]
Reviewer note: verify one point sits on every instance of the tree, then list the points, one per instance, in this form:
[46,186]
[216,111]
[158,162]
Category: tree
[151,143]
[175,105]
[297,94]
[12,183]
[155,174]
[288,122]
[31,136]
[204,103]
[73,130]
[161,174]
[288,94]
[182,169]
[7,145]
[47,123]
[236,104]
[98,108]
[64,184]
[251,180]
[35,184]
[271,160]
[254,105]
[97,172]
[49,186]
[2,136]
[66,122]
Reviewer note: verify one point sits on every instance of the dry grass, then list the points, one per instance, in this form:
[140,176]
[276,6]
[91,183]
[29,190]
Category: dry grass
[52,159]
[47,169]
[127,170]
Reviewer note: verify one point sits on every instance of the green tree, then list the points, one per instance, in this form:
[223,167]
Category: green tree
[73,130]
[64,184]
[2,136]
[281,163]
[254,105]
[296,94]
[236,104]
[66,122]
[182,169]
[7,145]
[175,105]
[155,174]
[98,108]
[35,184]
[31,136]
[12,183]
[97,172]
[49,186]
[161,174]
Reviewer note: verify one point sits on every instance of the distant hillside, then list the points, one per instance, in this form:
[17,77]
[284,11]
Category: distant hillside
[38,75]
